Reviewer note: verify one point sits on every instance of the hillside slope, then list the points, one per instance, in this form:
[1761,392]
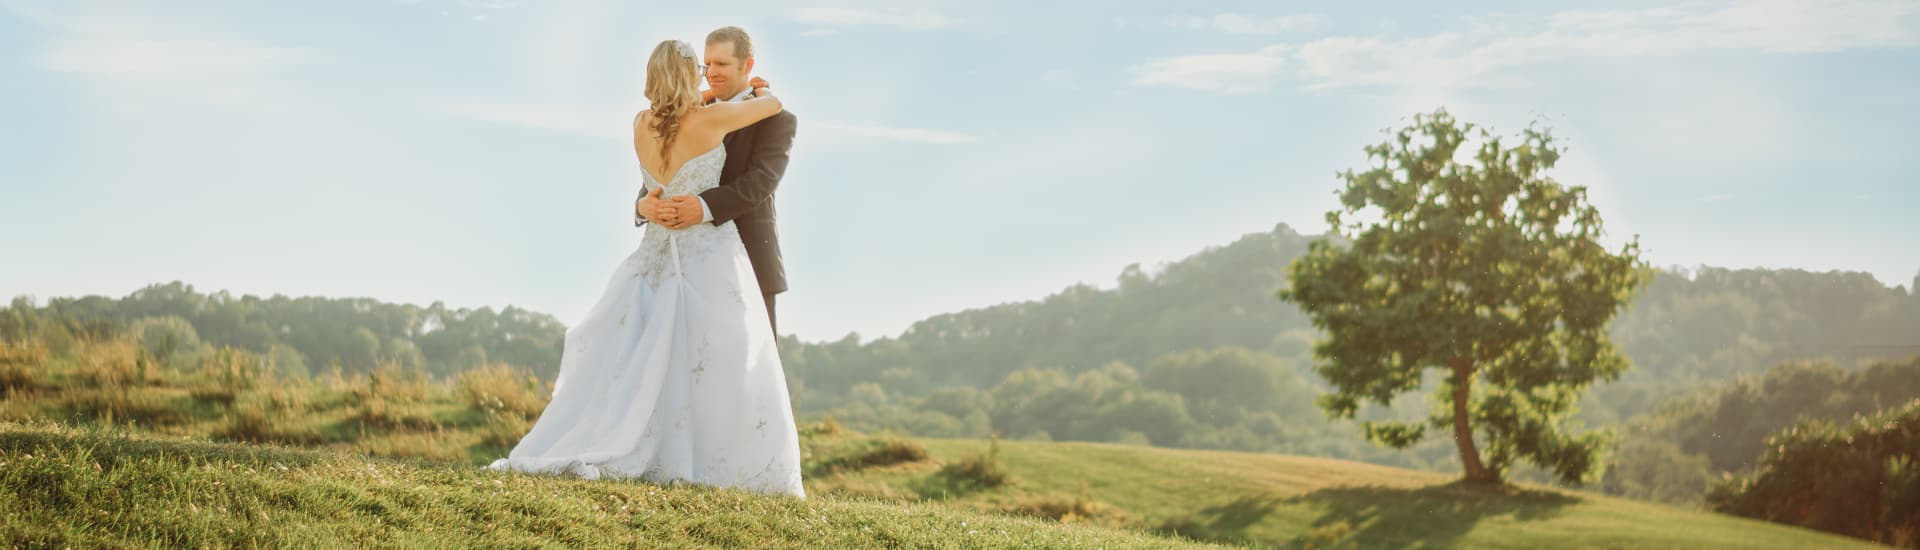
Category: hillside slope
[1270,499]
[62,487]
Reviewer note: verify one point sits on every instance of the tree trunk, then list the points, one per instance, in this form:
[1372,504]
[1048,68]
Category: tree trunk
[1462,429]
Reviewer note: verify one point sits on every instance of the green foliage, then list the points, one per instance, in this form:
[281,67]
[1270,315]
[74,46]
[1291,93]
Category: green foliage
[1672,454]
[357,332]
[167,338]
[1859,480]
[1490,272]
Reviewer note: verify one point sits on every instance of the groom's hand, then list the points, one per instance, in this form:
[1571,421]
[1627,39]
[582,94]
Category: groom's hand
[686,211]
[649,207]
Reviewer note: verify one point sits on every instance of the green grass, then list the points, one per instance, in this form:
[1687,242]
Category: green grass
[69,487]
[1290,501]
[98,449]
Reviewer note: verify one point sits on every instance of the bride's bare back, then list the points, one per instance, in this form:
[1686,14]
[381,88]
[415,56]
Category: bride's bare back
[700,131]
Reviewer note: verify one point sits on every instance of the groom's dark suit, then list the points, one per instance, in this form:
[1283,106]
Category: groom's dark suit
[756,159]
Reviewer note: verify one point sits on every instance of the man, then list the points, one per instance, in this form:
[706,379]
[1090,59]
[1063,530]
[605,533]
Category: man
[756,159]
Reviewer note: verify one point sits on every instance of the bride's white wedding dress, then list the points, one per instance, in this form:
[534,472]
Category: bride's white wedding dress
[673,375]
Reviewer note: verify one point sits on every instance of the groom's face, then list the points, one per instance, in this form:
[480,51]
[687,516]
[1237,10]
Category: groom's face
[726,73]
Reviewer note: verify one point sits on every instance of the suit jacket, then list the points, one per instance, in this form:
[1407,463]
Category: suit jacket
[756,159]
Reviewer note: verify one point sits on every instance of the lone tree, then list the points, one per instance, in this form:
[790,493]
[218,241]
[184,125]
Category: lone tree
[1490,272]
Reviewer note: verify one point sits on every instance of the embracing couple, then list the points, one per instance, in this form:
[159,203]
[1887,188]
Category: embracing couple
[673,376]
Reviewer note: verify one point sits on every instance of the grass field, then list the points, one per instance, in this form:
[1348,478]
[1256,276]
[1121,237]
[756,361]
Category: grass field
[104,448]
[1277,500]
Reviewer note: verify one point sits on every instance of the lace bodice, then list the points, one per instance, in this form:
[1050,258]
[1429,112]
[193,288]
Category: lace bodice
[700,173]
[663,247]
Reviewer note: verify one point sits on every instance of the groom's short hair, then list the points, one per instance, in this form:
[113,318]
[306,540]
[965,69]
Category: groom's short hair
[742,44]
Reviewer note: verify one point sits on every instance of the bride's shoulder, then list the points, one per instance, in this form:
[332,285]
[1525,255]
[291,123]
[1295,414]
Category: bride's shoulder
[641,117]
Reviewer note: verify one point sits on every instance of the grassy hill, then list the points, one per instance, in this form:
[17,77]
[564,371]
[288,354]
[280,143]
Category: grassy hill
[1292,501]
[65,486]
[108,446]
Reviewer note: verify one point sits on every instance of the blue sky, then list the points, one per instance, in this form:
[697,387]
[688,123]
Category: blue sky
[950,155]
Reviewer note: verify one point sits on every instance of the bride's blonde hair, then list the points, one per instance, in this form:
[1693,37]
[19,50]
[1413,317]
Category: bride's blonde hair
[673,88]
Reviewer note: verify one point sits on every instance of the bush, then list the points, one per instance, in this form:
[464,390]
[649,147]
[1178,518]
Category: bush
[166,337]
[504,428]
[17,364]
[115,363]
[247,423]
[1860,481]
[115,404]
[225,374]
[884,450]
[497,387]
[393,398]
[827,427]
[979,471]
[1079,508]
[260,417]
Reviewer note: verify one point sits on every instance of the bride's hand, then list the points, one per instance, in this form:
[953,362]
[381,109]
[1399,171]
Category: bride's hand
[758,84]
[706,96]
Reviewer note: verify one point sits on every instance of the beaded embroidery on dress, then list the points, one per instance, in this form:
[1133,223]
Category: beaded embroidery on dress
[673,375]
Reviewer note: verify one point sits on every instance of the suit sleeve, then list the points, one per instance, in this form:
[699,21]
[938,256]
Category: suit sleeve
[639,220]
[755,184]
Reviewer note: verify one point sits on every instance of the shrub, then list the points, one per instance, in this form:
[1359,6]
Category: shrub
[871,452]
[498,387]
[1860,481]
[825,427]
[504,428]
[1079,508]
[114,404]
[980,470]
[167,338]
[114,363]
[17,364]
[225,374]
[393,398]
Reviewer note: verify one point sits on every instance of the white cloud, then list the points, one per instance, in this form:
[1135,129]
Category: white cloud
[1230,73]
[1486,50]
[1252,24]
[908,135]
[849,18]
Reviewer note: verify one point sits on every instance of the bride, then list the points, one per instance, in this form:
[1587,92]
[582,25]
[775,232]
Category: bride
[673,375]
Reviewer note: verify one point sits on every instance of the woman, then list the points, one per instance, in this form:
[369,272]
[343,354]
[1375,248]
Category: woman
[673,375]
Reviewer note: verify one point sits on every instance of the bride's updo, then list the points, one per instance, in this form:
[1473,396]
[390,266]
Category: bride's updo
[673,88]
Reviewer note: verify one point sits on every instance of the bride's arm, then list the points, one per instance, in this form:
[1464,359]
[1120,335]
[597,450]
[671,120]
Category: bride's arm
[731,116]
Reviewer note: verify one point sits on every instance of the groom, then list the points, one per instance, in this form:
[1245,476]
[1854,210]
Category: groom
[756,158]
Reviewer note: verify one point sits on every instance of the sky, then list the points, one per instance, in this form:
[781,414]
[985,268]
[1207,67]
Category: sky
[950,154]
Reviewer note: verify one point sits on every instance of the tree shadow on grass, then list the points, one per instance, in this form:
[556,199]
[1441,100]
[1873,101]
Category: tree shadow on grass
[1436,516]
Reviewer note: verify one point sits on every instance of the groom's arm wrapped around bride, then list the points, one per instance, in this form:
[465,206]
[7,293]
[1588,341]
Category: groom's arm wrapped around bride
[766,163]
